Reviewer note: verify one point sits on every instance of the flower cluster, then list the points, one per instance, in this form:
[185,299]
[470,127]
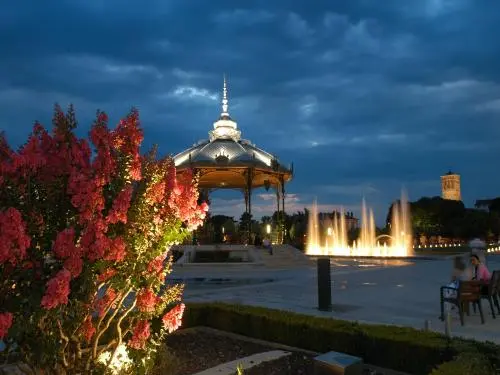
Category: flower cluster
[87,329]
[140,335]
[121,204]
[57,290]
[184,201]
[155,266]
[173,319]
[13,238]
[64,248]
[92,230]
[5,323]
[147,300]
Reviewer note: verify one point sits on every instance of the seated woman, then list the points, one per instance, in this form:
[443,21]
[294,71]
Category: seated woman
[480,272]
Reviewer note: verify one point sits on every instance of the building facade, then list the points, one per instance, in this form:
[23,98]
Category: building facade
[450,186]
[483,204]
[327,218]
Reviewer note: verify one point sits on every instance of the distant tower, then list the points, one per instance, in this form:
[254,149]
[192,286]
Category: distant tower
[450,186]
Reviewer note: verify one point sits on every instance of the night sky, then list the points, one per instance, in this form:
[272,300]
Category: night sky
[364,97]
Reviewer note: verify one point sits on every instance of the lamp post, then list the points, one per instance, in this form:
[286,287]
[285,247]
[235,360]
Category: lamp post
[268,228]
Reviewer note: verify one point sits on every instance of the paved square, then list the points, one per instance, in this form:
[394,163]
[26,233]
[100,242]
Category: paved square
[375,291]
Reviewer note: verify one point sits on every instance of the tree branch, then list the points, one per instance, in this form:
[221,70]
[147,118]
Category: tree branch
[89,350]
[108,323]
[66,342]
[119,330]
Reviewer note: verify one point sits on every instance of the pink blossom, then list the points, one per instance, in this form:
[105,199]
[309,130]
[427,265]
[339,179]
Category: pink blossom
[57,290]
[173,319]
[140,335]
[6,319]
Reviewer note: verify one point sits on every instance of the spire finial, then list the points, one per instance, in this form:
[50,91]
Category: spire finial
[225,101]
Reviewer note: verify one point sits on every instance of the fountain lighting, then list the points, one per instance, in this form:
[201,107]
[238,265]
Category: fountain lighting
[336,243]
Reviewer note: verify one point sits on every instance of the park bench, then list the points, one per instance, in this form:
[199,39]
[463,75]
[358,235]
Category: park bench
[468,292]
[491,292]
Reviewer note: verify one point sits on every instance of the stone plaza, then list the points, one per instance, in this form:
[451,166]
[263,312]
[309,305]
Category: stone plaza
[383,291]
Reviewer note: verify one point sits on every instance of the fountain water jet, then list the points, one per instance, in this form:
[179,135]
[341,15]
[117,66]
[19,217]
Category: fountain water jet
[335,241]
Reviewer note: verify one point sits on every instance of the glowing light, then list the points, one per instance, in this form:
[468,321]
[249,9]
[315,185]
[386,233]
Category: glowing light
[268,228]
[225,127]
[367,244]
[120,362]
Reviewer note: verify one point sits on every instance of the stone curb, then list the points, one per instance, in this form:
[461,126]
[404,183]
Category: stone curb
[246,363]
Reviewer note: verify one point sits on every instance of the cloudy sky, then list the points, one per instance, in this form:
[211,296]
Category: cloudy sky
[364,97]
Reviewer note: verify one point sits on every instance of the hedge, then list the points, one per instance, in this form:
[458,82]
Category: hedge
[466,364]
[398,348]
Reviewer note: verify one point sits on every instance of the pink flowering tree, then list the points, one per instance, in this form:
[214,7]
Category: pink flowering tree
[84,240]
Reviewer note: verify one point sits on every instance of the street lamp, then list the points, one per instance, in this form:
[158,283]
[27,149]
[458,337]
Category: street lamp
[223,230]
[268,228]
[329,231]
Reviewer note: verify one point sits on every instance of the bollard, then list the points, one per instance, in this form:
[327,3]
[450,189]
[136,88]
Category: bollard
[324,284]
[447,324]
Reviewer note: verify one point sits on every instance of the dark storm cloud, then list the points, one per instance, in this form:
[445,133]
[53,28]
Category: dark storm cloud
[367,95]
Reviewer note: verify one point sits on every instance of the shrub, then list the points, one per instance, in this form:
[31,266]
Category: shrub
[84,239]
[466,364]
[166,362]
[398,348]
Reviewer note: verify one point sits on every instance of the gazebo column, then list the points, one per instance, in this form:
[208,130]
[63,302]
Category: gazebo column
[248,193]
[282,209]
[245,193]
[278,228]
[248,189]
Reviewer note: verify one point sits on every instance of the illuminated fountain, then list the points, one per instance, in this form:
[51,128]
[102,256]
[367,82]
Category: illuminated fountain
[334,242]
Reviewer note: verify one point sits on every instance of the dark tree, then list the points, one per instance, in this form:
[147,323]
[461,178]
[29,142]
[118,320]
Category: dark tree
[494,205]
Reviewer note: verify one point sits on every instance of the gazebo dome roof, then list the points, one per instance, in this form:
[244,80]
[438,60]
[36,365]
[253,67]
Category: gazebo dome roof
[225,148]
[228,152]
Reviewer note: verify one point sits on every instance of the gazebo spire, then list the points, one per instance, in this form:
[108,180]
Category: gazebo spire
[225,101]
[225,127]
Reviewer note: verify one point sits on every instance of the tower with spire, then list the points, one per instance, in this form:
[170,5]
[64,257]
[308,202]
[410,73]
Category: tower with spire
[225,127]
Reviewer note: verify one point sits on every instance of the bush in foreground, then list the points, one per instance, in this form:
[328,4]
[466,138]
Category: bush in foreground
[397,348]
[465,364]
[84,239]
